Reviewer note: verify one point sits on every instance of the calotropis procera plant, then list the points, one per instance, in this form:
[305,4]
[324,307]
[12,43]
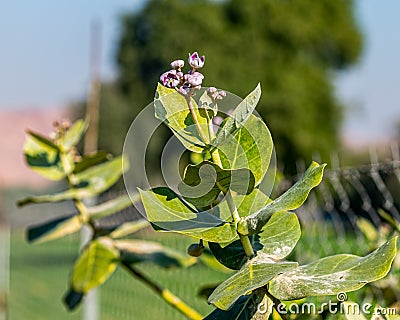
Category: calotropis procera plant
[56,158]
[222,202]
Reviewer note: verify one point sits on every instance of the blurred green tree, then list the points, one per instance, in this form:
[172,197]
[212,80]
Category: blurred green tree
[292,47]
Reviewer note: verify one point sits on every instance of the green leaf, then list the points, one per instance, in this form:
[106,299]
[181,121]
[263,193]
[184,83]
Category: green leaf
[233,255]
[90,160]
[166,211]
[135,251]
[250,148]
[245,204]
[129,228]
[276,240]
[73,135]
[87,183]
[99,178]
[95,264]
[290,200]
[238,118]
[171,108]
[62,196]
[72,299]
[245,308]
[256,273]
[43,156]
[280,235]
[112,206]
[210,261]
[54,229]
[205,181]
[368,229]
[334,274]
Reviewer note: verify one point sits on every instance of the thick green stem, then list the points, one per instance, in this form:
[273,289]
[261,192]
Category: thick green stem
[248,249]
[80,206]
[167,295]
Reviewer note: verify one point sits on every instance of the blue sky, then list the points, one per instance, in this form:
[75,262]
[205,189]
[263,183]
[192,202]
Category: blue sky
[44,57]
[371,90]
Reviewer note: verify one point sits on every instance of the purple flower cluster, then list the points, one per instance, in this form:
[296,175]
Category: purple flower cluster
[184,83]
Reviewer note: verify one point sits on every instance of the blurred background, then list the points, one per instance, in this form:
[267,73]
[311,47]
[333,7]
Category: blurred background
[329,72]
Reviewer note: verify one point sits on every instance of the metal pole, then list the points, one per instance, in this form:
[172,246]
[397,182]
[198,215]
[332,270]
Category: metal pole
[4,269]
[93,99]
[4,260]
[91,306]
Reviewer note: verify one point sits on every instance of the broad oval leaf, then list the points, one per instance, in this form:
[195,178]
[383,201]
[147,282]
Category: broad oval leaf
[290,200]
[171,108]
[135,251]
[99,178]
[90,160]
[334,274]
[95,264]
[256,273]
[210,261]
[251,148]
[276,240]
[245,204]
[238,118]
[73,135]
[129,228]
[43,156]
[87,183]
[110,207]
[54,229]
[167,212]
[202,183]
[280,235]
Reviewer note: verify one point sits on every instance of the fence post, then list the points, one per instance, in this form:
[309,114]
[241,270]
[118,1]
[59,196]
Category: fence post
[91,305]
[4,269]
[4,261]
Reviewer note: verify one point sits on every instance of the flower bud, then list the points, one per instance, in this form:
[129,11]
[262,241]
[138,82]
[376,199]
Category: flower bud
[211,90]
[183,90]
[221,94]
[177,64]
[215,94]
[170,79]
[195,79]
[217,120]
[195,61]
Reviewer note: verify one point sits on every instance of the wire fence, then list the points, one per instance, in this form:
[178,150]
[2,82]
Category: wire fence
[349,193]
